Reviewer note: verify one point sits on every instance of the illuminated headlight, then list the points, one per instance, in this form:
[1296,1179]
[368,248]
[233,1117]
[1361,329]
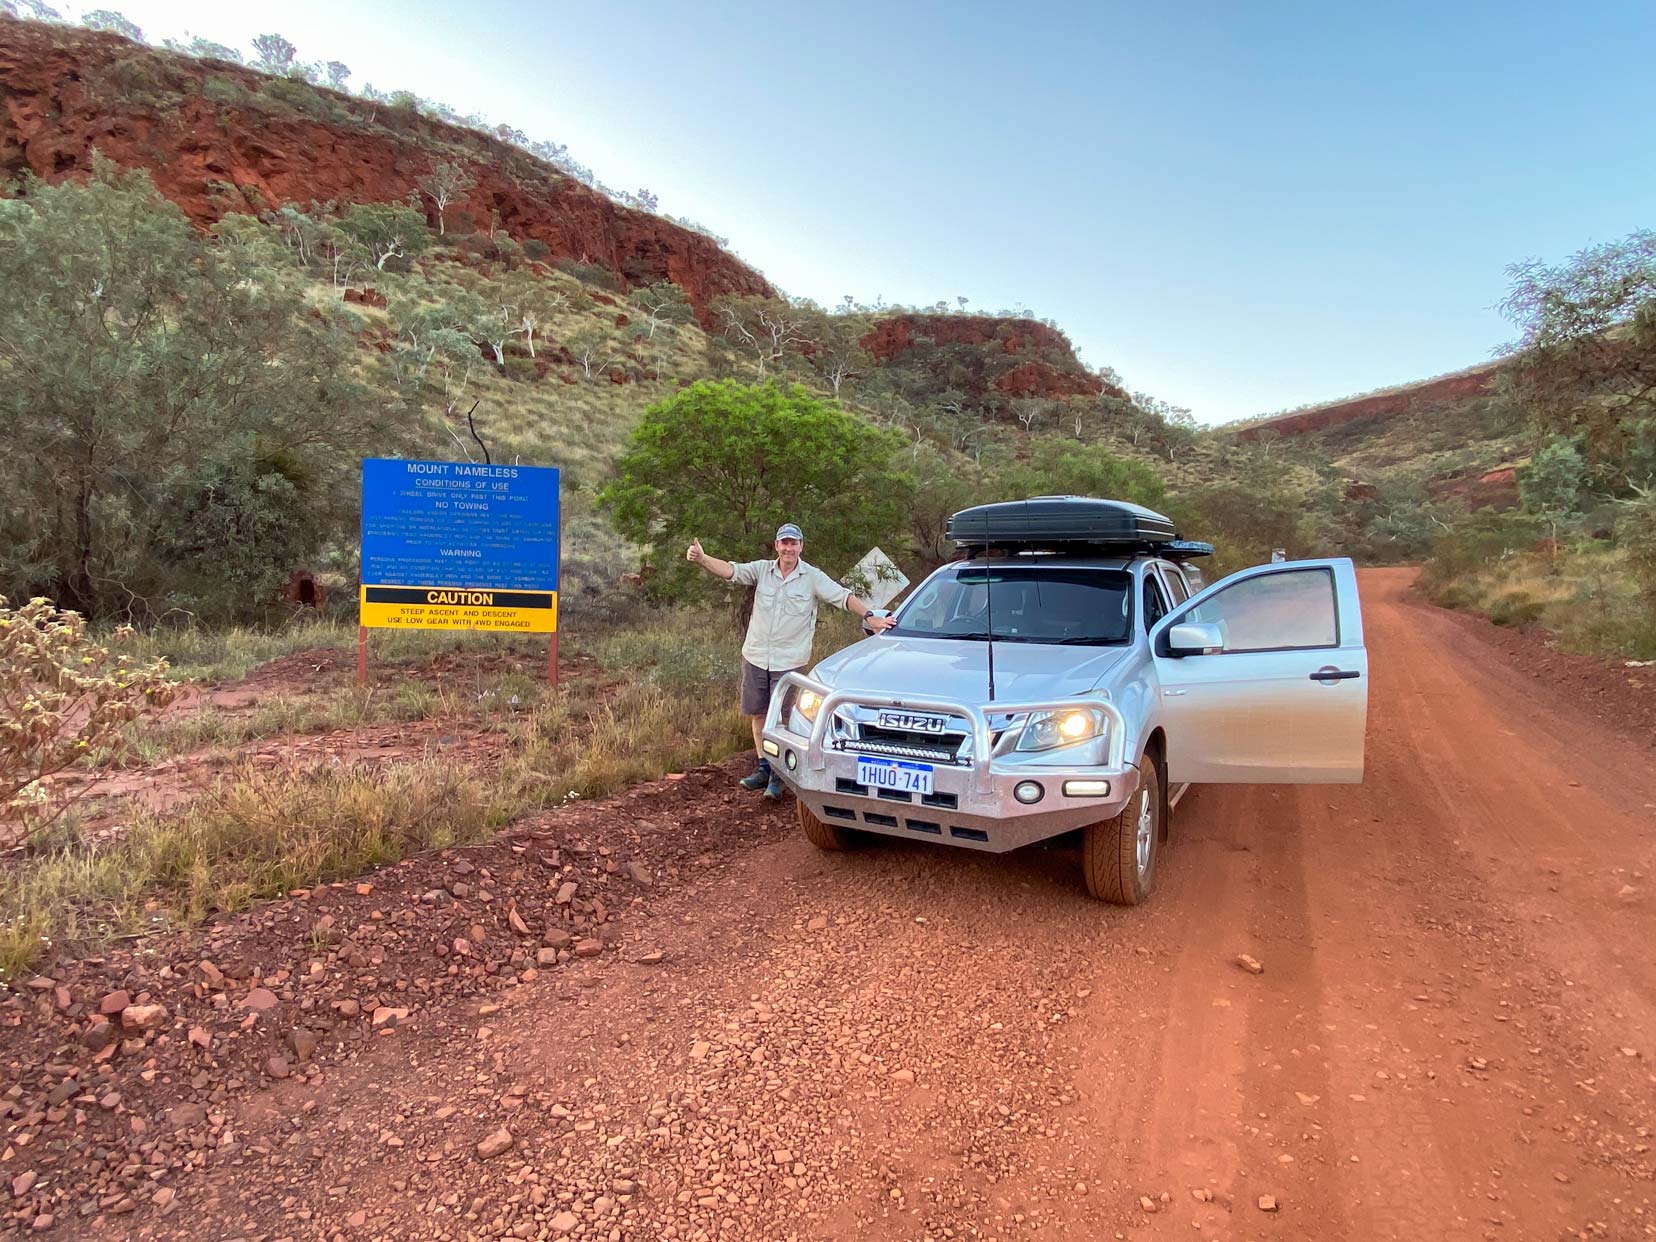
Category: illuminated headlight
[809,703]
[1048,730]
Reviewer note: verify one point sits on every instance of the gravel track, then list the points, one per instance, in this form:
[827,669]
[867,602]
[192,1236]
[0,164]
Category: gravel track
[1450,1036]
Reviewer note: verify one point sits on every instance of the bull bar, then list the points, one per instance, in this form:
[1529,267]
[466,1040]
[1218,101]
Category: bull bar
[973,806]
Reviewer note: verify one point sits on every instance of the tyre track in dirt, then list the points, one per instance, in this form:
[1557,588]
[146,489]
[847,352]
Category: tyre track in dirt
[1451,1037]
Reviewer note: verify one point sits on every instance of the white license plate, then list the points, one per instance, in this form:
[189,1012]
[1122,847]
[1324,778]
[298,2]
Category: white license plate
[913,722]
[895,775]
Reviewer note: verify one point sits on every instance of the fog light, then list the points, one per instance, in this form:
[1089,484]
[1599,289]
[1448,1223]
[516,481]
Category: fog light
[771,748]
[1086,789]
[791,759]
[1028,792]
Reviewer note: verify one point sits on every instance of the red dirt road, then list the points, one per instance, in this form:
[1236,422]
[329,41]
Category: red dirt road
[1454,1036]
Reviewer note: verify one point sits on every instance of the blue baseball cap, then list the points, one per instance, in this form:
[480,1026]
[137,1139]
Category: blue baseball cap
[789,531]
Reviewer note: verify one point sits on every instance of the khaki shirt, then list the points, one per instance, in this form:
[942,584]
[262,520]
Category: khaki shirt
[784,612]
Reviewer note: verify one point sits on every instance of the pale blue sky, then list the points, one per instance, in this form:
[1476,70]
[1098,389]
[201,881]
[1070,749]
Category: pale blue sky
[1240,206]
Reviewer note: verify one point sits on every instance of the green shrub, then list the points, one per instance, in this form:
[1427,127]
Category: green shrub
[593,274]
[220,89]
[302,97]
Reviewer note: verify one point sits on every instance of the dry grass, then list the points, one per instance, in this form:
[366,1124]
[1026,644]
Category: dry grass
[1585,595]
[259,832]
[256,833]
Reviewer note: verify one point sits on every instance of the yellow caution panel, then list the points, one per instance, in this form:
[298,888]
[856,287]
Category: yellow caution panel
[459,608]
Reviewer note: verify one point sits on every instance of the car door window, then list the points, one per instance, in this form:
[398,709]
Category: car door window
[1292,610]
[1175,584]
[1155,603]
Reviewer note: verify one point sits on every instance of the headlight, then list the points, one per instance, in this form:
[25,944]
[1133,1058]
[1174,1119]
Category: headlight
[1048,730]
[809,703]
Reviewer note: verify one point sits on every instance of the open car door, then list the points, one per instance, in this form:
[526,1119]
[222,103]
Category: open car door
[1264,677]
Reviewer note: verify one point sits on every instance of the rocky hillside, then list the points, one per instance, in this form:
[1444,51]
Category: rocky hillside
[1453,389]
[983,354]
[220,138]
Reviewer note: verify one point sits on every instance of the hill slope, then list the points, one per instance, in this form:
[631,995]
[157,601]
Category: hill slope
[220,138]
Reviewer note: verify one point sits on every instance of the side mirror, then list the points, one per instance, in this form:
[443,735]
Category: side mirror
[1194,638]
[874,612]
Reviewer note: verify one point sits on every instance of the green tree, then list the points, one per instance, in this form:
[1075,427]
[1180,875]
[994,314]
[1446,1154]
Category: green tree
[114,23]
[662,304]
[447,183]
[274,54]
[728,462]
[1585,362]
[1057,467]
[1550,486]
[1636,531]
[136,356]
[837,354]
[1244,522]
[763,330]
[387,231]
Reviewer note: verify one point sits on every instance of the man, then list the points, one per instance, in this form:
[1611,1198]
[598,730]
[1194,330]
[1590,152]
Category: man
[785,595]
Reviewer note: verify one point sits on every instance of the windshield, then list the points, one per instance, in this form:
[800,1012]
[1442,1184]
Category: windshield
[1030,604]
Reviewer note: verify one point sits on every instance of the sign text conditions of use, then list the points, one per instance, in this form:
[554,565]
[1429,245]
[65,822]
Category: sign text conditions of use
[454,546]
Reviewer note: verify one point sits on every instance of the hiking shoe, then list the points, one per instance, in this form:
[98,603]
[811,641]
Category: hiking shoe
[774,790]
[758,778]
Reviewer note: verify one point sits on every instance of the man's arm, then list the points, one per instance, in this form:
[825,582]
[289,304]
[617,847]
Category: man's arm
[855,605]
[832,592]
[712,564]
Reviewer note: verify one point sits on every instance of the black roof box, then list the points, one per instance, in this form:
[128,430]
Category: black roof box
[1055,521]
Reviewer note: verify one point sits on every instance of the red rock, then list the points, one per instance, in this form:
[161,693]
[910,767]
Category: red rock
[112,1004]
[1389,404]
[278,1067]
[143,1017]
[588,948]
[500,1141]
[1047,365]
[302,1042]
[98,1035]
[261,1000]
[52,122]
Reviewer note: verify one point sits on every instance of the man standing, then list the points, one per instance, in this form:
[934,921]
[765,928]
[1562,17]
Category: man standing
[785,595]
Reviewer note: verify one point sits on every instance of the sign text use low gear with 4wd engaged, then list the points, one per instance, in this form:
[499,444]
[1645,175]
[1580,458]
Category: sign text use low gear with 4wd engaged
[456,546]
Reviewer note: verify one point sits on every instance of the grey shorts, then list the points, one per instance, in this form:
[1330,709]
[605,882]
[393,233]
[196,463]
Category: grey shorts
[757,684]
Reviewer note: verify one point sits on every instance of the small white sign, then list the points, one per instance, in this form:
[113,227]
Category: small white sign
[876,579]
[1278,555]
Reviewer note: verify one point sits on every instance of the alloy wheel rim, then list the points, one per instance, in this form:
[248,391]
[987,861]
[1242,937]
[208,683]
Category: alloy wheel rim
[1146,833]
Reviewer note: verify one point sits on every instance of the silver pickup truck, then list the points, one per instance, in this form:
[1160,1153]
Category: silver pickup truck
[1070,674]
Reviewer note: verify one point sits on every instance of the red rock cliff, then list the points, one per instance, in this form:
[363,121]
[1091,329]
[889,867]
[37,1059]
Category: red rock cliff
[66,92]
[1033,360]
[1456,387]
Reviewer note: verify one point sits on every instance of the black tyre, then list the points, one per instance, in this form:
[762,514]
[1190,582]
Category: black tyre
[825,836]
[1119,856]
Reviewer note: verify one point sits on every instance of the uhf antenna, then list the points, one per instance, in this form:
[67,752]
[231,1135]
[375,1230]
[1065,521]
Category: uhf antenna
[989,602]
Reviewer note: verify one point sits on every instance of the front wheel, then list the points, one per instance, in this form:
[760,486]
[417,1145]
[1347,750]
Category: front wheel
[824,836]
[1118,856]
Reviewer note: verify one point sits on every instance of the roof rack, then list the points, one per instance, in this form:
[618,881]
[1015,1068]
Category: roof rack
[1071,524]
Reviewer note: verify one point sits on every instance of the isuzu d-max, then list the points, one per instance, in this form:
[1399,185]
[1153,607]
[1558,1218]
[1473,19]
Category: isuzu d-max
[1071,674]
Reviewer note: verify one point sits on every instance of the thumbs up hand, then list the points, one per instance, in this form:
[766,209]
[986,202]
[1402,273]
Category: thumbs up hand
[693,553]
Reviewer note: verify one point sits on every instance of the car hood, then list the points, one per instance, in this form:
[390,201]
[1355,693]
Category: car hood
[949,668]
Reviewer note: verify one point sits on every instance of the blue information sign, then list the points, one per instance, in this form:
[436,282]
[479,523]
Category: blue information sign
[450,545]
